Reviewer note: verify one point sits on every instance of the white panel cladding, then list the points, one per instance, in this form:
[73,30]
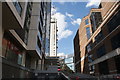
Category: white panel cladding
[53,37]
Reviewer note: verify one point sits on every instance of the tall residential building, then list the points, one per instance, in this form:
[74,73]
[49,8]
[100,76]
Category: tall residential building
[53,37]
[99,41]
[25,37]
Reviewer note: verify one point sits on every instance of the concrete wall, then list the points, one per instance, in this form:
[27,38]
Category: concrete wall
[24,7]
[12,20]
[11,15]
[33,30]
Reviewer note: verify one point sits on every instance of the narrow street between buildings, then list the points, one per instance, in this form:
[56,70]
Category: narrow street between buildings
[60,39]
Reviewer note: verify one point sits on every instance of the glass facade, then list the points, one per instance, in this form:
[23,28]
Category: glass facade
[90,58]
[101,51]
[89,47]
[23,33]
[47,45]
[103,68]
[18,7]
[39,43]
[96,20]
[86,22]
[28,61]
[11,52]
[40,32]
[114,22]
[19,59]
[115,41]
[117,62]
[41,27]
[44,28]
[99,37]
[92,69]
[88,32]
[27,21]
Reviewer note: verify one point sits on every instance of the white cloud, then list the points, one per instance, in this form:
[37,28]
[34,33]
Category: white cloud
[62,25]
[69,15]
[65,34]
[61,1]
[53,10]
[93,3]
[77,21]
[74,22]
[61,54]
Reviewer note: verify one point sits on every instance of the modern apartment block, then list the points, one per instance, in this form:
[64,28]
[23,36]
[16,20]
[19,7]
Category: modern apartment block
[98,41]
[25,37]
[53,37]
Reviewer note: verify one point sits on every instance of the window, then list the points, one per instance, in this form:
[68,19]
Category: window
[117,62]
[96,20]
[115,41]
[91,68]
[41,18]
[28,60]
[86,22]
[88,32]
[4,47]
[103,68]
[18,7]
[90,58]
[89,47]
[38,43]
[39,27]
[26,37]
[101,51]
[11,51]
[114,22]
[99,37]
[19,59]
[23,33]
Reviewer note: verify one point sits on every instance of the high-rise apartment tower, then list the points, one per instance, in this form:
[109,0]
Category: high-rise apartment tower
[53,37]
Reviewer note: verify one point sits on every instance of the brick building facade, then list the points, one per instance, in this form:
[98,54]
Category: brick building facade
[99,40]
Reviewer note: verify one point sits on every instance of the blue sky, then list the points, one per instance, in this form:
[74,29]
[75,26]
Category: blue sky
[69,15]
